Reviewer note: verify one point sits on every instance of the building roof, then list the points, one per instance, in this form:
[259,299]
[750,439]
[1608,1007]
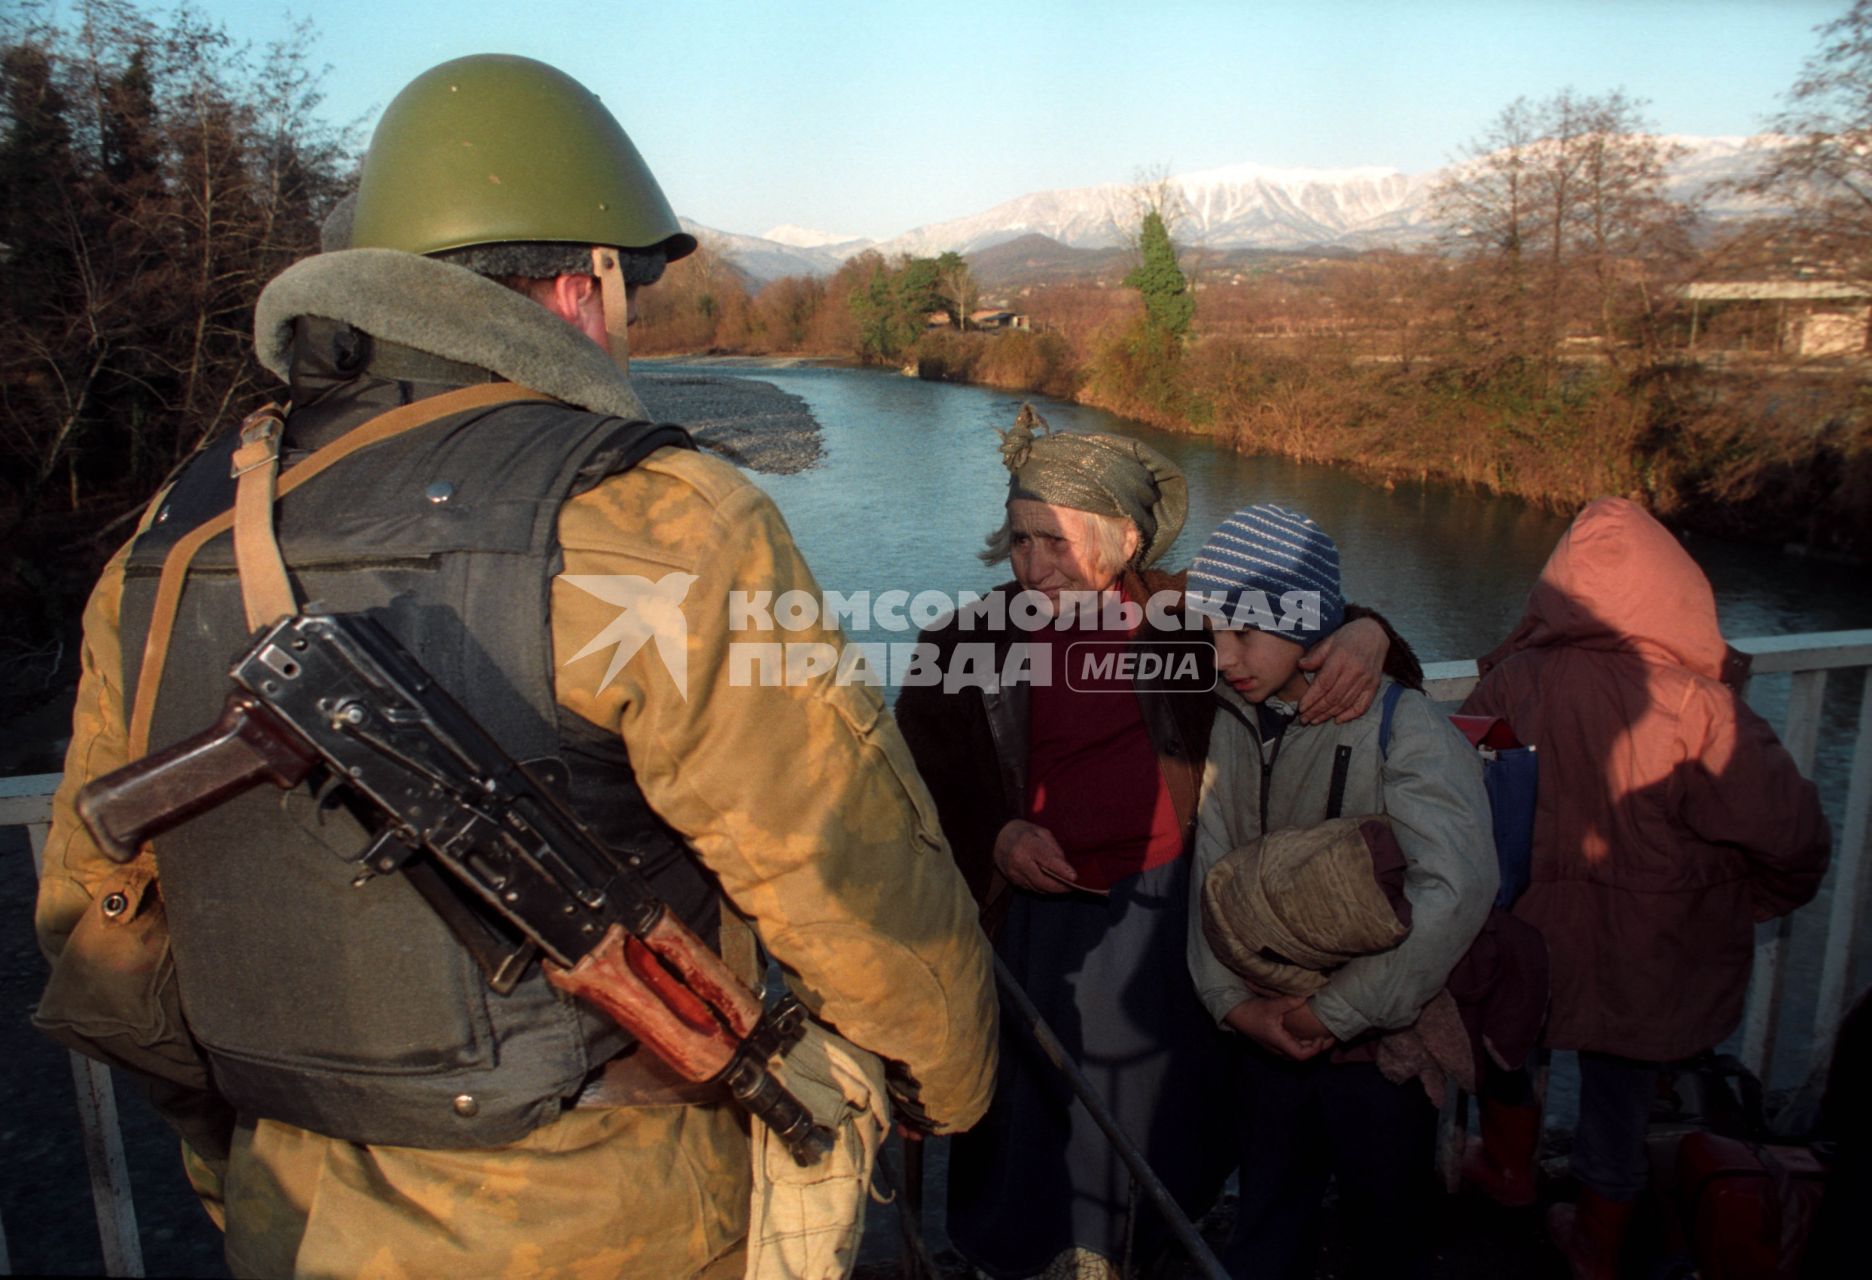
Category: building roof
[1776,291]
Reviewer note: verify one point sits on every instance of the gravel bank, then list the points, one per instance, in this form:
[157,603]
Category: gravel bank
[753,424]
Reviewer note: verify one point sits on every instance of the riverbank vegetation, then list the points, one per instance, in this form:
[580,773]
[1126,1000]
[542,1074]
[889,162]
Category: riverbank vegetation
[1377,364]
[1552,376]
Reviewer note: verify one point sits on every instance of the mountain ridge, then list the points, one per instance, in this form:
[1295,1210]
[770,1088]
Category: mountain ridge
[1232,207]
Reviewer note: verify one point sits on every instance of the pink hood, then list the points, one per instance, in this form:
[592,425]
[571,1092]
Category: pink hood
[1618,580]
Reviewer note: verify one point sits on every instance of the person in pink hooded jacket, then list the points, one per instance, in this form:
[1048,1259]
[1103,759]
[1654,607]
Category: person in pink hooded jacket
[1670,820]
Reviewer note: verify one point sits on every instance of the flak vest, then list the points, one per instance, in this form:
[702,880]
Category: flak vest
[351,1009]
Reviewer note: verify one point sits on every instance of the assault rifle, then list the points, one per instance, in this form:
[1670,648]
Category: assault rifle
[337,692]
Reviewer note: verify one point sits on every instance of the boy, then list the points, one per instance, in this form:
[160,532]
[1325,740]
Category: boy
[1313,1099]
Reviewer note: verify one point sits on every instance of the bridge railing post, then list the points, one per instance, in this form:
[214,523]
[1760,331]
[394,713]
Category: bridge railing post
[1848,874]
[1800,733]
[27,802]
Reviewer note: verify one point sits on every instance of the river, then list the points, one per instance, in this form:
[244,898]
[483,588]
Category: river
[911,481]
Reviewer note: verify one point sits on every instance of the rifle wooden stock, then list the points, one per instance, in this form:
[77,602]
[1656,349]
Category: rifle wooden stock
[676,996]
[243,748]
[622,977]
[669,990]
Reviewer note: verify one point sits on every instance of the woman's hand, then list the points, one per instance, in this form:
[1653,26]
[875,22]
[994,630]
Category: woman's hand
[1349,662]
[1263,1020]
[1032,859]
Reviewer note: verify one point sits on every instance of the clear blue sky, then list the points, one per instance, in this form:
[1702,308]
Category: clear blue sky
[870,117]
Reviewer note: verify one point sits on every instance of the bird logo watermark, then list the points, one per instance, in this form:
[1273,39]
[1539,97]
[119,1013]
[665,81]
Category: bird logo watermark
[647,611]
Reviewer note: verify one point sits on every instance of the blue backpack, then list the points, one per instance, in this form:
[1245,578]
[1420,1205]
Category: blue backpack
[1510,774]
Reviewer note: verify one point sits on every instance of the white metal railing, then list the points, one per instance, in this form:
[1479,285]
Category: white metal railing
[1809,659]
[26,801]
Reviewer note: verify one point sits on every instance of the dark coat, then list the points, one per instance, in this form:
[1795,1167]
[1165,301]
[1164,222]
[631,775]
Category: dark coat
[970,745]
[1670,818]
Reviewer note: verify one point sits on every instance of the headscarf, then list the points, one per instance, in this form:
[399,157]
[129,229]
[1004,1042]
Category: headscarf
[1108,475]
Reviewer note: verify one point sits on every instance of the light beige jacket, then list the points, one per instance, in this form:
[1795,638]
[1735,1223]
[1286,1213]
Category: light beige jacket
[1429,784]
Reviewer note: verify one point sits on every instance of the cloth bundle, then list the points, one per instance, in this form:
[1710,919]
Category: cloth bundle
[1286,910]
[805,1223]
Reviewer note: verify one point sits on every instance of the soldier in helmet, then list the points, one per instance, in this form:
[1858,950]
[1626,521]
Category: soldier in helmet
[353,1097]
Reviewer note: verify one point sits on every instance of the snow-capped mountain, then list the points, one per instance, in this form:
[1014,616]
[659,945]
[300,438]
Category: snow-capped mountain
[1256,207]
[808,238]
[1707,163]
[1243,206]
[763,258]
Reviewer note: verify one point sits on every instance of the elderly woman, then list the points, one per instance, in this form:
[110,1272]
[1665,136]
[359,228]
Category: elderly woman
[1070,811]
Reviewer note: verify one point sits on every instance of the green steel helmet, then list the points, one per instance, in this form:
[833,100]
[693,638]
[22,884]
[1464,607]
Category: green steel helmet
[493,148]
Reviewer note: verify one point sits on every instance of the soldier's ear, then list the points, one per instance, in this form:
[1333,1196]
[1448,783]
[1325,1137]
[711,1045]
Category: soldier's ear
[565,295]
[574,298]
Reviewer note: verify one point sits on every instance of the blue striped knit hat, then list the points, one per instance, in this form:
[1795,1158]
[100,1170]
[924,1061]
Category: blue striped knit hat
[1259,555]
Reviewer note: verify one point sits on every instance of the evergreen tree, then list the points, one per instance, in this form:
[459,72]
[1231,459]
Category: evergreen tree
[914,284]
[891,304]
[129,147]
[873,306]
[37,171]
[1168,305]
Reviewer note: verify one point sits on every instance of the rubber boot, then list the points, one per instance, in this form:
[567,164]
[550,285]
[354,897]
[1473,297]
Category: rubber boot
[1501,1165]
[1591,1233]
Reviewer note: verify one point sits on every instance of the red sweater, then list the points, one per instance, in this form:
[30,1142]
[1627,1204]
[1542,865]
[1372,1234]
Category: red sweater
[1092,773]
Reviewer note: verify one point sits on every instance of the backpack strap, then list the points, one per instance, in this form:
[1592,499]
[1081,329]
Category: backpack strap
[1391,696]
[175,568]
[1335,796]
[266,591]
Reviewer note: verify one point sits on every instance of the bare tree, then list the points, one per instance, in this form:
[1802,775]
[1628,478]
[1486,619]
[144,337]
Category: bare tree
[1486,207]
[1393,300]
[1823,168]
[151,180]
[1627,229]
[1563,204]
[700,299]
[1565,122]
[955,285]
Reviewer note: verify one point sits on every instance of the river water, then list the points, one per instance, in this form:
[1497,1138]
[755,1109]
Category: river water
[911,482]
